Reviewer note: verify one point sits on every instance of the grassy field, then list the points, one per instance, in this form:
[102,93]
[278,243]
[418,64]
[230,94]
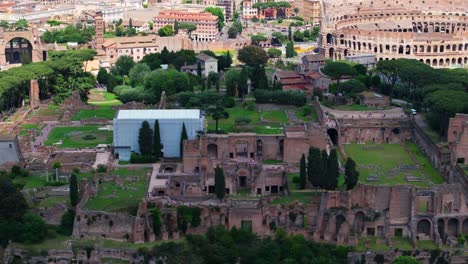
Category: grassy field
[26,128]
[274,116]
[53,200]
[380,162]
[102,98]
[105,112]
[429,170]
[72,137]
[31,181]
[228,125]
[313,117]
[51,110]
[302,196]
[354,107]
[113,198]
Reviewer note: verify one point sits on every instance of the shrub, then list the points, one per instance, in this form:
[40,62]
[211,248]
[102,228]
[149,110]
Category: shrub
[229,102]
[242,120]
[135,158]
[101,168]
[280,97]
[295,179]
[250,105]
[306,110]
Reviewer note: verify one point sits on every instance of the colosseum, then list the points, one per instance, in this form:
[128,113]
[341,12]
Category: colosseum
[432,31]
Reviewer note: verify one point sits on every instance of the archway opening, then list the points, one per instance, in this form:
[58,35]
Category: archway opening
[465,227]
[212,150]
[452,227]
[18,50]
[358,225]
[333,134]
[340,219]
[423,228]
[440,228]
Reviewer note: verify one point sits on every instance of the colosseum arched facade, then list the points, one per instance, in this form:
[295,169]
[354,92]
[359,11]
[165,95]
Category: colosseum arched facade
[432,31]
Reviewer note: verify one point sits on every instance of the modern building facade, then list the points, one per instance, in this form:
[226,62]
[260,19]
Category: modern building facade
[128,123]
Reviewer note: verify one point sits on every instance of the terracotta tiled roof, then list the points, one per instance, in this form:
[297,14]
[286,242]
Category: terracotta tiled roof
[287,74]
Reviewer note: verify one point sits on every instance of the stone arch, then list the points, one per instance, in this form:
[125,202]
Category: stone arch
[428,62]
[16,49]
[259,147]
[333,134]
[212,150]
[423,227]
[339,220]
[441,62]
[452,227]
[329,38]
[331,52]
[434,62]
[465,226]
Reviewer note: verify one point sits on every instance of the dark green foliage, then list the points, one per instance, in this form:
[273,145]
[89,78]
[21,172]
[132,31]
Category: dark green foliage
[351,174]
[157,147]
[203,100]
[274,53]
[290,52]
[145,139]
[323,177]
[74,195]
[302,173]
[123,65]
[241,246]
[101,168]
[219,13]
[405,260]
[183,137]
[232,32]
[139,159]
[360,69]
[138,73]
[332,171]
[336,70]
[68,34]
[171,81]
[199,70]
[252,55]
[188,216]
[290,37]
[12,203]
[243,82]
[157,222]
[231,79]
[220,185]
[280,97]
[102,76]
[66,223]
[166,31]
[314,167]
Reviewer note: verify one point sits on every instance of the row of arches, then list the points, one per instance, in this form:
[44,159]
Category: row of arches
[445,228]
[409,15]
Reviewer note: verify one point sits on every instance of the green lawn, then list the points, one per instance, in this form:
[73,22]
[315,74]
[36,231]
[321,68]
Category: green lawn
[25,128]
[113,198]
[380,162]
[272,162]
[53,200]
[228,125]
[353,107]
[313,117]
[72,137]
[429,170]
[302,196]
[105,99]
[51,110]
[274,116]
[32,181]
[105,112]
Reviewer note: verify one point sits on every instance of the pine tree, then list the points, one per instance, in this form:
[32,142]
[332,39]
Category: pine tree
[130,23]
[314,167]
[323,177]
[73,190]
[220,185]
[157,141]
[302,173]
[182,138]
[145,139]
[332,171]
[351,174]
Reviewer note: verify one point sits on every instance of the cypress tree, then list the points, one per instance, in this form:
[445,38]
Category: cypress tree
[351,174]
[314,167]
[302,173]
[323,177]
[243,79]
[332,171]
[220,188]
[157,141]
[176,27]
[199,70]
[289,33]
[228,59]
[145,139]
[73,190]
[182,138]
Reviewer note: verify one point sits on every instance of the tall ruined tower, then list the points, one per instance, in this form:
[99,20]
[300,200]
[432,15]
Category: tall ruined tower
[99,26]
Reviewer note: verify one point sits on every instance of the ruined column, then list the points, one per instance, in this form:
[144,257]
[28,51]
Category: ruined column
[34,94]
